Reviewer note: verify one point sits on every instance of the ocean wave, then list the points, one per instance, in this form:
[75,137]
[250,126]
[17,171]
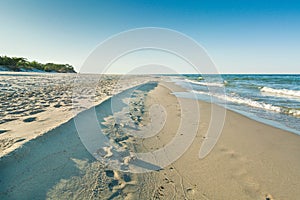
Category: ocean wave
[212,84]
[252,103]
[283,92]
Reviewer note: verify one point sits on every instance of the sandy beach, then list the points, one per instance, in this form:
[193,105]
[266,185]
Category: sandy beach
[35,103]
[250,161]
[149,100]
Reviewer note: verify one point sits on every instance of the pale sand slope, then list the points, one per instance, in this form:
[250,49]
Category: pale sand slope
[250,161]
[56,165]
[33,104]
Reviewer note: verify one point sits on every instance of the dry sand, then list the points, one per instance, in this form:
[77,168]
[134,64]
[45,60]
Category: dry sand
[250,161]
[34,103]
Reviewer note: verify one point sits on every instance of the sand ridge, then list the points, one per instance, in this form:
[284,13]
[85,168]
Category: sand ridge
[34,103]
[56,165]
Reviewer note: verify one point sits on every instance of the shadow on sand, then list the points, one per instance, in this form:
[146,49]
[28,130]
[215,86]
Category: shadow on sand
[32,170]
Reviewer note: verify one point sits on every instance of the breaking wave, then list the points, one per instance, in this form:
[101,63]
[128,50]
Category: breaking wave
[282,92]
[252,103]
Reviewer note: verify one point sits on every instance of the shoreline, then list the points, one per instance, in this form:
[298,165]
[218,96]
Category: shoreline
[268,122]
[271,100]
[251,160]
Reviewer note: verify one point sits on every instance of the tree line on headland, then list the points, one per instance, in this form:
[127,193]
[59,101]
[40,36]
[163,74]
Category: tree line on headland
[22,64]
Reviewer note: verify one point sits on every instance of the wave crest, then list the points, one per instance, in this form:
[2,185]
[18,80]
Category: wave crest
[212,84]
[252,103]
[283,92]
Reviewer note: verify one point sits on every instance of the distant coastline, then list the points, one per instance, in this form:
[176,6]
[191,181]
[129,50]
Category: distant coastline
[19,64]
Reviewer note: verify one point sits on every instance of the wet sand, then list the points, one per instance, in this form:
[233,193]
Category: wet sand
[250,161]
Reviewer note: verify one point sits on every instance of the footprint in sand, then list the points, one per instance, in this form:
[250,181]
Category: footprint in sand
[30,119]
[159,192]
[113,184]
[120,184]
[268,197]
[109,173]
[190,191]
[249,184]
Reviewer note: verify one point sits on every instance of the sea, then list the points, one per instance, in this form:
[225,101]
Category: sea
[268,98]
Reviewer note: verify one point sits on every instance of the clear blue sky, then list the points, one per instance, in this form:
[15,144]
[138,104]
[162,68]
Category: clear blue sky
[241,36]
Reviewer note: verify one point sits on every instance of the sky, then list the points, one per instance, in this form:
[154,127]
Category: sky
[240,36]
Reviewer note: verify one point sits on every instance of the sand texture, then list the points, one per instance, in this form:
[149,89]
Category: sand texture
[34,103]
[251,160]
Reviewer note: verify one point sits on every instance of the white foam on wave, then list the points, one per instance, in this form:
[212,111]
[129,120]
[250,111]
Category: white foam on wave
[212,84]
[282,92]
[252,103]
